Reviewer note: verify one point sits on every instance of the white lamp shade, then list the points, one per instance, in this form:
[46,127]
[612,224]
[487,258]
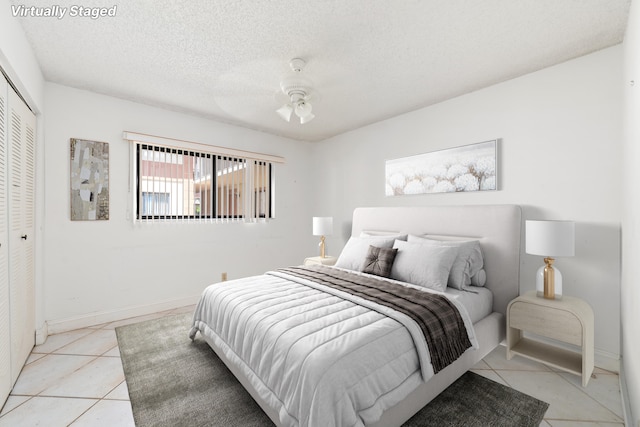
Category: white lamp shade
[550,238]
[322,225]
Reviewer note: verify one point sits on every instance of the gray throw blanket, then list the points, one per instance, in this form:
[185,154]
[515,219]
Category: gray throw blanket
[438,318]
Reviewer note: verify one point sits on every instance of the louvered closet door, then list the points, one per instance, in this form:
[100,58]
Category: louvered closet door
[21,133]
[5,337]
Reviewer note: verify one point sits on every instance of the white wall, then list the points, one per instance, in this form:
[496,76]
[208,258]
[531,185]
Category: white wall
[99,269]
[559,157]
[631,216]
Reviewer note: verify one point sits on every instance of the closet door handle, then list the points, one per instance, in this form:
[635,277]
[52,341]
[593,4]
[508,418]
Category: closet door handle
[24,237]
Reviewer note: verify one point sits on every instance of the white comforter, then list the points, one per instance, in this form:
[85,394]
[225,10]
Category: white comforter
[316,355]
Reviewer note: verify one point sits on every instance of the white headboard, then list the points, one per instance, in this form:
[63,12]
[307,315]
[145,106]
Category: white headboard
[497,227]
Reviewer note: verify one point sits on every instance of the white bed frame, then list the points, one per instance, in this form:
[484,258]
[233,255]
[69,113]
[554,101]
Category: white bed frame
[498,228]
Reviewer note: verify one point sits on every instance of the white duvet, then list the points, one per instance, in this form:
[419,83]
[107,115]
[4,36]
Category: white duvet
[316,355]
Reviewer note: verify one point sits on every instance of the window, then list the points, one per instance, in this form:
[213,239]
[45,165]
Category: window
[179,183]
[156,203]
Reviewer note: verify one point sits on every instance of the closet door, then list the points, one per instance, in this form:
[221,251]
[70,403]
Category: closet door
[5,337]
[21,178]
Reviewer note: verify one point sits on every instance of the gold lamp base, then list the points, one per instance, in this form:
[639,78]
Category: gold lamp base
[549,281]
[321,244]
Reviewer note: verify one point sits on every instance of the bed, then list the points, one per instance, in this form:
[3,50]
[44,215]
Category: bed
[317,346]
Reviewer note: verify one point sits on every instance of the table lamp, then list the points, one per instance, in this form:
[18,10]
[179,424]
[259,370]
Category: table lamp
[549,239]
[322,226]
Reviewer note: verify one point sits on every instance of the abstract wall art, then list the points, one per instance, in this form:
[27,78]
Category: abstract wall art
[89,180]
[460,169]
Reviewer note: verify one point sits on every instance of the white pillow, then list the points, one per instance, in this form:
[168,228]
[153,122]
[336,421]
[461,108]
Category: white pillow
[355,251]
[479,279]
[423,265]
[468,263]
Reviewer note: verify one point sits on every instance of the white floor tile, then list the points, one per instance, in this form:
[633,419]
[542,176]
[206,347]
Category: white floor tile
[33,357]
[13,402]
[121,392]
[95,343]
[598,371]
[490,374]
[133,320]
[54,342]
[605,389]
[481,365]
[46,411]
[114,352]
[566,402]
[186,309]
[107,413]
[497,359]
[94,380]
[98,326]
[46,372]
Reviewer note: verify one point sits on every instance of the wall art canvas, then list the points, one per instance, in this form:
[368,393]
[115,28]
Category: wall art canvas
[89,180]
[467,168]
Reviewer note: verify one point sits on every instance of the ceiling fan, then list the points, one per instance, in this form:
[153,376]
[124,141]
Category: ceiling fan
[298,90]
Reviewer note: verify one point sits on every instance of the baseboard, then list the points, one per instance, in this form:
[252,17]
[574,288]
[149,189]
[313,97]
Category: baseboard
[42,333]
[607,361]
[626,404]
[63,325]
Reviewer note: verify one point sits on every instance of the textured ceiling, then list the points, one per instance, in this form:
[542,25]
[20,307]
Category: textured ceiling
[368,59]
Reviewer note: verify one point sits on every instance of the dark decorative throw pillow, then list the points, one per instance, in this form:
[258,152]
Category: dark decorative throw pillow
[379,261]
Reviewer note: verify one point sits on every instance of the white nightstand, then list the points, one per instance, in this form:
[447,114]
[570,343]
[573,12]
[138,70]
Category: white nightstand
[327,260]
[568,320]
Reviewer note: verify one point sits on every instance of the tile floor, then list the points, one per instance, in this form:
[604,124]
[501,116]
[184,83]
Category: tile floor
[76,379]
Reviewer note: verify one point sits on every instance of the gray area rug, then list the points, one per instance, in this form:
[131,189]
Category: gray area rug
[173,381]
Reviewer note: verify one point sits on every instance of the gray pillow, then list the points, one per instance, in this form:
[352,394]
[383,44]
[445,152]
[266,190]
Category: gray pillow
[379,261]
[355,251]
[467,264]
[423,265]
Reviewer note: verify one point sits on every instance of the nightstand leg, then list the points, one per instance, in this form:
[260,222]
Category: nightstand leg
[513,336]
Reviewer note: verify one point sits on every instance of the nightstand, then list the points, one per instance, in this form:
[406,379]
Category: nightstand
[568,320]
[327,260]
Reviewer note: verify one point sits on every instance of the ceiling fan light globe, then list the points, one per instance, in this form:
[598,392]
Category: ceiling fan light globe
[307,118]
[303,109]
[285,112]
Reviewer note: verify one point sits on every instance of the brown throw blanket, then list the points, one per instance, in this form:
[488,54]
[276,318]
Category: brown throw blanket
[438,318]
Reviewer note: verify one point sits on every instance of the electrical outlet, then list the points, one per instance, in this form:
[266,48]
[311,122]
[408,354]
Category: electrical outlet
[223,277]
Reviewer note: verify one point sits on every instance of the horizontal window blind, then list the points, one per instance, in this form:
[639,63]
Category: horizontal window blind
[179,183]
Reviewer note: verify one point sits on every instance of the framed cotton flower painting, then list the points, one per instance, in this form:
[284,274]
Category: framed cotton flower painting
[468,168]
